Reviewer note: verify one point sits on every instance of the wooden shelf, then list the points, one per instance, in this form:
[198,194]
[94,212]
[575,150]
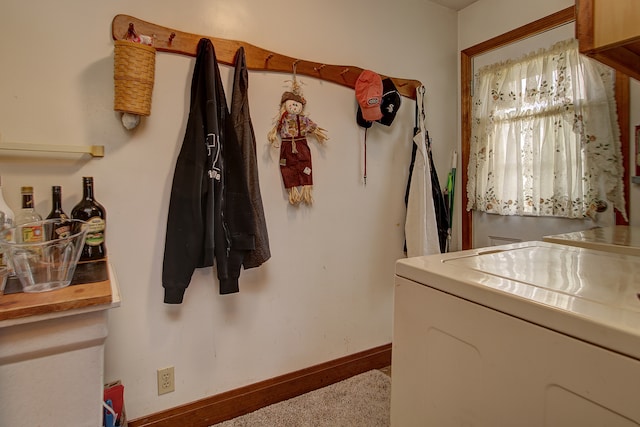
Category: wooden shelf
[89,293]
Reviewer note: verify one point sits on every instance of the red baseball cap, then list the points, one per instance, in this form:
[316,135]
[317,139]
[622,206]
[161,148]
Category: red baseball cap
[369,95]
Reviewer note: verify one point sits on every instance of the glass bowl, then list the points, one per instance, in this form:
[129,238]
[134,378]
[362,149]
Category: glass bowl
[4,274]
[44,254]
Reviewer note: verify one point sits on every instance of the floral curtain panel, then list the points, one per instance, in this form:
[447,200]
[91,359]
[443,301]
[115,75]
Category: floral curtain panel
[545,139]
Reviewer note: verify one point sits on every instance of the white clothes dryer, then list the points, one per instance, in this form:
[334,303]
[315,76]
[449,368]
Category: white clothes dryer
[527,334]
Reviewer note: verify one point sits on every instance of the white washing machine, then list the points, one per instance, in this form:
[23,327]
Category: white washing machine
[622,239]
[527,334]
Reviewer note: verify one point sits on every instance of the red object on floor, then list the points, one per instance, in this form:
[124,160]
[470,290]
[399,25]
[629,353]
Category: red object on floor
[115,393]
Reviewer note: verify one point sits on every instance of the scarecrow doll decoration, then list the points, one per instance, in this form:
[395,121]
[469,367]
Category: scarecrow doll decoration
[292,127]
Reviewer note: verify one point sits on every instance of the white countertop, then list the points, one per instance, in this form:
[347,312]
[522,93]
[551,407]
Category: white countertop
[619,239]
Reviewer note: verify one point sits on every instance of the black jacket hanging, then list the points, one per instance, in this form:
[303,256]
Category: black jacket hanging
[439,202]
[210,215]
[245,136]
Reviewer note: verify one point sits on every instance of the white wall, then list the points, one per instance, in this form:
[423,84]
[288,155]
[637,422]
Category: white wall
[327,291]
[485,19]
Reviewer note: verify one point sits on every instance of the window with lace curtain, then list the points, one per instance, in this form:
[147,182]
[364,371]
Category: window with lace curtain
[545,139]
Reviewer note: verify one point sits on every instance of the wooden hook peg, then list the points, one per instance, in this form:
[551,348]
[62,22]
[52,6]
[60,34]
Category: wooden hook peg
[317,69]
[131,32]
[266,60]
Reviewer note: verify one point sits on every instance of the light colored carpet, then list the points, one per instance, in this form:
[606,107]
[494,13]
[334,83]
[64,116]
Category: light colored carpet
[360,401]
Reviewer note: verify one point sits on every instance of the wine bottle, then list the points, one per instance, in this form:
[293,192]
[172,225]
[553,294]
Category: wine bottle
[89,210]
[62,228]
[27,214]
[8,213]
[7,217]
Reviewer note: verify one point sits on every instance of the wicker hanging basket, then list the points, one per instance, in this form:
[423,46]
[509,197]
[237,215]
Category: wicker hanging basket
[133,75]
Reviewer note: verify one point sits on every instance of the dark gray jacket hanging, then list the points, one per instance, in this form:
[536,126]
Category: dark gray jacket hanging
[210,214]
[241,119]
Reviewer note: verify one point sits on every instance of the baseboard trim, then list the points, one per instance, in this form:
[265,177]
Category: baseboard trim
[234,403]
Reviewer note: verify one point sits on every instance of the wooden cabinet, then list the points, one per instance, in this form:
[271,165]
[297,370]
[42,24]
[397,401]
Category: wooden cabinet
[609,31]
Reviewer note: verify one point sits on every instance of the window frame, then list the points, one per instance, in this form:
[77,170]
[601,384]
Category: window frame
[554,20]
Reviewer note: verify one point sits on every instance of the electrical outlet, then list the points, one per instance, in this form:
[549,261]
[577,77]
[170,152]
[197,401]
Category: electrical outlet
[166,380]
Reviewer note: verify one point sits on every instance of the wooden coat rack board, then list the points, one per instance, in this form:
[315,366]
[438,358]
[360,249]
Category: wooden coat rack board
[170,40]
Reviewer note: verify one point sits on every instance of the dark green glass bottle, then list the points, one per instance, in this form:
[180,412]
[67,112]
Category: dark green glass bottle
[63,228]
[89,210]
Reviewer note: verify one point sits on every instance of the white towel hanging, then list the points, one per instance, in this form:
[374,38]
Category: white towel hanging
[421,227]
